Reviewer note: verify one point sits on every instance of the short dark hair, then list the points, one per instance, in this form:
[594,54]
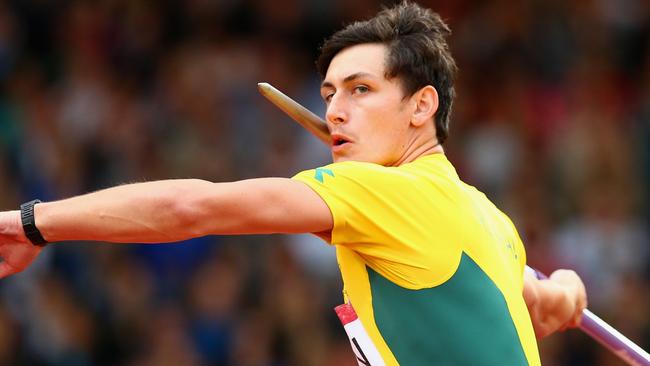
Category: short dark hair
[418,53]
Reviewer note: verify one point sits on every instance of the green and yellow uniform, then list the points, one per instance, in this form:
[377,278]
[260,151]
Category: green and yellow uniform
[433,269]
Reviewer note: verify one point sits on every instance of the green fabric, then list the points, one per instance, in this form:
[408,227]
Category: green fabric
[464,321]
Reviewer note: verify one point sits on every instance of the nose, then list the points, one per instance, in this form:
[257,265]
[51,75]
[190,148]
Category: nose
[336,111]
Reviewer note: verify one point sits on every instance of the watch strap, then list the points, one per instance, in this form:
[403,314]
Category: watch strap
[29,223]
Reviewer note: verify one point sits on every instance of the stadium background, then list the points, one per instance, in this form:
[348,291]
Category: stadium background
[552,121]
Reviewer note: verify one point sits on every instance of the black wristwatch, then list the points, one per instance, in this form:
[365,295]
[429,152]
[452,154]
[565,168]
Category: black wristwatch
[29,224]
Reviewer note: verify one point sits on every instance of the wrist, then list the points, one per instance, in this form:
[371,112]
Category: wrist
[28,222]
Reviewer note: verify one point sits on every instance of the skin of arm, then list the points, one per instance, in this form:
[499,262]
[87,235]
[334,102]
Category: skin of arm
[555,303]
[167,211]
[173,210]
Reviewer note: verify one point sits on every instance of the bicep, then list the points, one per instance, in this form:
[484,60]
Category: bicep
[266,205]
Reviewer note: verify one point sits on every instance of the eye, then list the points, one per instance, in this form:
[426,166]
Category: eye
[327,97]
[361,89]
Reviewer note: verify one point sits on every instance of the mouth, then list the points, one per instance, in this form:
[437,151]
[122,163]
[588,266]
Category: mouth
[339,140]
[340,144]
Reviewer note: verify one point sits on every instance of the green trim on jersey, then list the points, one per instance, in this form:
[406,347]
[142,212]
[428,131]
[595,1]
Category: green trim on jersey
[437,325]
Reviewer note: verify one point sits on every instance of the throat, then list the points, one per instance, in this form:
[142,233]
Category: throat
[416,150]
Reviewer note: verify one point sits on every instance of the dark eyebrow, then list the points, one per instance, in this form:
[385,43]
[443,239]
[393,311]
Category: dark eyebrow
[347,79]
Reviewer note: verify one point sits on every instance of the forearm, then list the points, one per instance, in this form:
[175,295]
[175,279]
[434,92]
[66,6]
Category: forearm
[156,211]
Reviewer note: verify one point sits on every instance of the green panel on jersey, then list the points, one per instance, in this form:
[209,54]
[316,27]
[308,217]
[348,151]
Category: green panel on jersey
[464,321]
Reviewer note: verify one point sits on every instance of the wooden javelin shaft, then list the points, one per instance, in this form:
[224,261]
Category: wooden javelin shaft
[298,113]
[591,324]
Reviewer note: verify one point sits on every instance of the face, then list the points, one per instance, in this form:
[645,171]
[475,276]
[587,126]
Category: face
[367,114]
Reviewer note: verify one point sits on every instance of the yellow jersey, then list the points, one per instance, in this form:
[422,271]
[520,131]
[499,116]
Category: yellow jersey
[432,268]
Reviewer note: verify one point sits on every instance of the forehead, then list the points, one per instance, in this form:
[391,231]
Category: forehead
[363,58]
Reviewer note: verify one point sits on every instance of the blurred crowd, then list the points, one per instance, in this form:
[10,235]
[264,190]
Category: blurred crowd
[552,122]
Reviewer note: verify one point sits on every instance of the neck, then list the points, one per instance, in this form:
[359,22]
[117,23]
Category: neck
[417,149]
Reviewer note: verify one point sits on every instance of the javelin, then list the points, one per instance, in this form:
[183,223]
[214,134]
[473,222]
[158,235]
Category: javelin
[591,324]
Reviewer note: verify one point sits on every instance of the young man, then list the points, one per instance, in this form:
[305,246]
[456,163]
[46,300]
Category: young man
[433,269]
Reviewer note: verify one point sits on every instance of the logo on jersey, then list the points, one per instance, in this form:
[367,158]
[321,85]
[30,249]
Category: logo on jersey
[319,174]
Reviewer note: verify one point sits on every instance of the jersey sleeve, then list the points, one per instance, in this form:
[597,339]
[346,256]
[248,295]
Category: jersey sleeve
[359,196]
[372,207]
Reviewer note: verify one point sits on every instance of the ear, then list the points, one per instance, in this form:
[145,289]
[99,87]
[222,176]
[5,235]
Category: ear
[426,105]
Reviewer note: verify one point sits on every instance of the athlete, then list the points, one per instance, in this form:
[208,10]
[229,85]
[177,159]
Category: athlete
[434,271]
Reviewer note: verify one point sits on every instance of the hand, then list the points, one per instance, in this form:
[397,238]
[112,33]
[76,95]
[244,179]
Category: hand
[16,251]
[555,303]
[576,293]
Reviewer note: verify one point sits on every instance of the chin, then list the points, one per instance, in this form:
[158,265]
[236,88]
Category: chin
[342,158]
[338,159]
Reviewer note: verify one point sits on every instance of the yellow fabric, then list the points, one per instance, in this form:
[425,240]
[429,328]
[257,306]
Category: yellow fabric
[411,224]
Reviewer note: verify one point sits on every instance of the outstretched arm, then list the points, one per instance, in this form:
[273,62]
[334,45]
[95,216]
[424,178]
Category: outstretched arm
[555,303]
[167,211]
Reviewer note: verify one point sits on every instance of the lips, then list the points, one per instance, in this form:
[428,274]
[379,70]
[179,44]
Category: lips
[339,140]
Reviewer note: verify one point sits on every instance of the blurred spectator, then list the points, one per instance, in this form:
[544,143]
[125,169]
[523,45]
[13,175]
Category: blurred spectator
[552,122]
